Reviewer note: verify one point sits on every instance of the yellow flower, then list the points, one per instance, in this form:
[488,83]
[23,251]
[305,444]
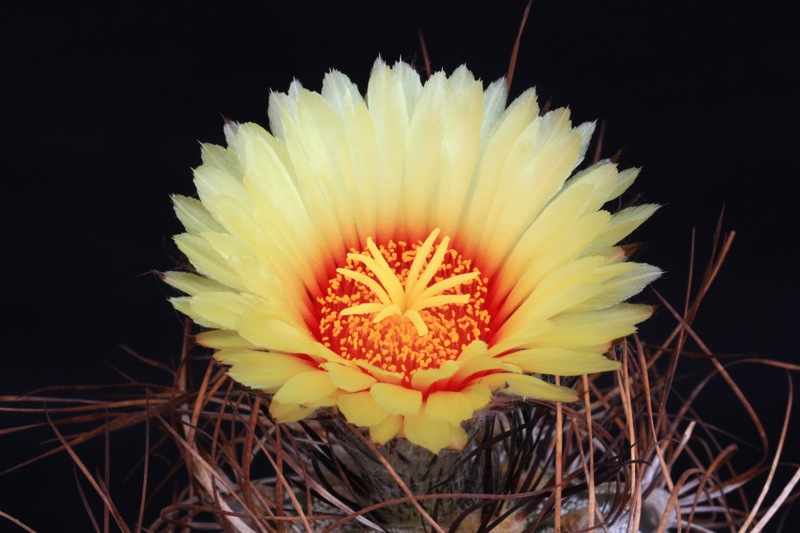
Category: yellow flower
[405,255]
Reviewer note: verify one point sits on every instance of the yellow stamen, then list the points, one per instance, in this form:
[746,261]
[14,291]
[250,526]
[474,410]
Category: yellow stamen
[380,309]
[415,297]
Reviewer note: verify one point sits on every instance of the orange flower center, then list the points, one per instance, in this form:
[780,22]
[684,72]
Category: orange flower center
[403,308]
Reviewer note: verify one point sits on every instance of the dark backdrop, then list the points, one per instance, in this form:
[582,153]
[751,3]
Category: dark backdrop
[104,108]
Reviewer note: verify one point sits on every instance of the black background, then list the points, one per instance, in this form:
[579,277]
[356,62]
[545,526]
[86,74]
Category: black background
[104,108]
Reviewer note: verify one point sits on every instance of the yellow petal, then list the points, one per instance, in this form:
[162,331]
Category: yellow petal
[477,365]
[285,413]
[306,387]
[193,215]
[213,182]
[560,362]
[544,236]
[316,144]
[184,305]
[386,430]
[623,286]
[344,97]
[474,349]
[494,103]
[566,244]
[460,148]
[391,94]
[601,178]
[623,223]
[192,283]
[263,370]
[495,152]
[423,379]
[592,328]
[361,409]
[397,400]
[207,260]
[292,244]
[222,158]
[624,180]
[348,378]
[450,407]
[222,308]
[421,430]
[548,149]
[236,216]
[562,290]
[520,337]
[528,387]
[265,330]
[478,394]
[221,338]
[423,147]
[384,376]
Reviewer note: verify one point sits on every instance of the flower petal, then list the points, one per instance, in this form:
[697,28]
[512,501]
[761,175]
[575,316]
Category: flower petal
[450,407]
[397,400]
[384,376]
[207,260]
[478,394]
[495,151]
[192,283]
[264,329]
[193,215]
[528,387]
[421,430]
[292,412]
[221,308]
[391,96]
[222,158]
[267,371]
[285,413]
[386,430]
[348,378]
[473,350]
[560,362]
[547,149]
[222,338]
[622,224]
[361,409]
[623,286]
[591,329]
[423,379]
[306,387]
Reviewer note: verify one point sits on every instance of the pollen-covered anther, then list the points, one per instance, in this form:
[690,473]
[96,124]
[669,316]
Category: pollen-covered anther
[404,307]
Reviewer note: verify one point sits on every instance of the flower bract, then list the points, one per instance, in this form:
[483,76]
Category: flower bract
[406,255]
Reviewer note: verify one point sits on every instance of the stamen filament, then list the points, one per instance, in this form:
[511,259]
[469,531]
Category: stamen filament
[388,311]
[395,299]
[369,282]
[416,320]
[448,283]
[439,300]
[419,260]
[380,310]
[363,309]
[389,280]
[430,270]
